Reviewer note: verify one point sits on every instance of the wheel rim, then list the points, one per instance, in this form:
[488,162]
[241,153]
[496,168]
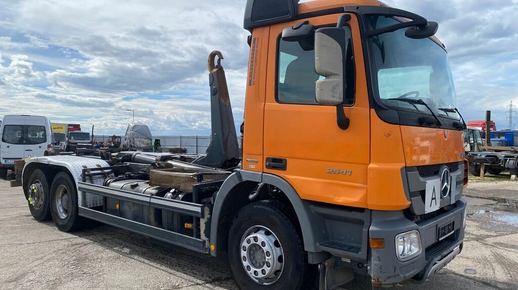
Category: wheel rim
[36,194]
[62,201]
[262,255]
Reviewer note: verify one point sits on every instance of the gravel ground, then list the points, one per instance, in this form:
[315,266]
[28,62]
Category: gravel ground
[36,255]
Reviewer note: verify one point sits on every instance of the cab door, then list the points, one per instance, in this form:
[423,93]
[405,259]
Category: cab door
[302,141]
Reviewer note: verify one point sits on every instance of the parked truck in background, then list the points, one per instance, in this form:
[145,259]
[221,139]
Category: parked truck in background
[79,142]
[500,155]
[353,158]
[472,140]
[481,125]
[59,135]
[138,137]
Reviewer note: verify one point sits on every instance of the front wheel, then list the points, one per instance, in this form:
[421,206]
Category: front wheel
[64,206]
[265,249]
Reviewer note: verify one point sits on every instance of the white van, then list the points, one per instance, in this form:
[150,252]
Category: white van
[23,136]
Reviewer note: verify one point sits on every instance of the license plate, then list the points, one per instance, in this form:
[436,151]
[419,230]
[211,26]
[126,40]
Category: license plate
[432,195]
[445,230]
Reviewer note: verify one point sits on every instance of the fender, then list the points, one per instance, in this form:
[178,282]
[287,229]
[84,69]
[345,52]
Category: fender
[71,164]
[301,208]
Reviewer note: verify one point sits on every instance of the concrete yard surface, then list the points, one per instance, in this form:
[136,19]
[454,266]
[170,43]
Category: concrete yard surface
[36,255]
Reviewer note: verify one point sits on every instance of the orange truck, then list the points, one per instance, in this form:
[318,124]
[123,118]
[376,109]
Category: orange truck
[352,160]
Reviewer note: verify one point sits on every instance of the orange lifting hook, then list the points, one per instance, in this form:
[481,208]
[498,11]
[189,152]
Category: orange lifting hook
[210,61]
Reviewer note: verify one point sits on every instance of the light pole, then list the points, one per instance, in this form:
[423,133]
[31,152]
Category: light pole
[133,114]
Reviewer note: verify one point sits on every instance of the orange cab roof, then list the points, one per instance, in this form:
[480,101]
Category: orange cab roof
[327,4]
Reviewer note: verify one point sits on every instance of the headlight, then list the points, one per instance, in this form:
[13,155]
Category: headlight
[408,245]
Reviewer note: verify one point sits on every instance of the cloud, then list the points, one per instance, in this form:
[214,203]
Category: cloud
[88,63]
[99,54]
[18,72]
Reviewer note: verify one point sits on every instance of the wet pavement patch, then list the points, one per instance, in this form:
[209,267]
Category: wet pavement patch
[497,216]
[506,217]
[470,271]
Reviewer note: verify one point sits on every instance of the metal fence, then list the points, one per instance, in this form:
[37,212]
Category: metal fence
[193,144]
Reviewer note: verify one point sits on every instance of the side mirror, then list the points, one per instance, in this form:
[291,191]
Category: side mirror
[329,62]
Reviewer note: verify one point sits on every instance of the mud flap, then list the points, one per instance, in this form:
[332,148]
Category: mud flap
[331,277]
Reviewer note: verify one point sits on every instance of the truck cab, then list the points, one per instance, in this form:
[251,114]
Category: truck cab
[472,140]
[79,142]
[382,143]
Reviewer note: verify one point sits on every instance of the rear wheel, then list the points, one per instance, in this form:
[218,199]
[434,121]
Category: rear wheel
[3,173]
[494,171]
[266,250]
[38,196]
[64,206]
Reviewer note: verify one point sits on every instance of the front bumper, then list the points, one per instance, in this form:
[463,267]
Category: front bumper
[6,165]
[385,268]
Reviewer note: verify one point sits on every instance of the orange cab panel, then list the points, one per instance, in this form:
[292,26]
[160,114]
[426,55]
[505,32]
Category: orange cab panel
[386,191]
[255,98]
[426,146]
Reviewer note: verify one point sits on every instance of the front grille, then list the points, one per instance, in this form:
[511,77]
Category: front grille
[433,170]
[428,216]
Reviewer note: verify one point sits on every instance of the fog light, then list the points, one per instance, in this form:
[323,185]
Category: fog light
[408,245]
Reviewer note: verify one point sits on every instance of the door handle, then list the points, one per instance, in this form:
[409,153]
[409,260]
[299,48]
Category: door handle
[276,163]
[28,149]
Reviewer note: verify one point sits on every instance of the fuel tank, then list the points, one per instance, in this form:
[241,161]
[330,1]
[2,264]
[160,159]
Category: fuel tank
[140,213]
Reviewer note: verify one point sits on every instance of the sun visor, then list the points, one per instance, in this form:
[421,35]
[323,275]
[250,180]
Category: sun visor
[260,13]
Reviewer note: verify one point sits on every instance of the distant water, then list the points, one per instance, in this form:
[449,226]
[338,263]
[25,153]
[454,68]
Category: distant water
[193,144]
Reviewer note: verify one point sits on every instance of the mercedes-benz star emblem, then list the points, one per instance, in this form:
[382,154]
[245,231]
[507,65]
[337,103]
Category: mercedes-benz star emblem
[445,181]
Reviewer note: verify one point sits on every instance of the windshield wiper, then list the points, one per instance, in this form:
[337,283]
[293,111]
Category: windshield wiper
[419,102]
[455,110]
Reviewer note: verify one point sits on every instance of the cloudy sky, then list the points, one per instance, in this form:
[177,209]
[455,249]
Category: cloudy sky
[91,61]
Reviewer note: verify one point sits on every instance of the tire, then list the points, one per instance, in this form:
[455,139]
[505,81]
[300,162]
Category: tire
[39,197]
[3,173]
[259,228]
[63,204]
[475,170]
[494,171]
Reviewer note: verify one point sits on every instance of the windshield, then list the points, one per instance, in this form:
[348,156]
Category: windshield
[411,69]
[79,136]
[24,134]
[59,137]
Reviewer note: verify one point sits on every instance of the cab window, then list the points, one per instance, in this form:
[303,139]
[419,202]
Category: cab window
[296,76]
